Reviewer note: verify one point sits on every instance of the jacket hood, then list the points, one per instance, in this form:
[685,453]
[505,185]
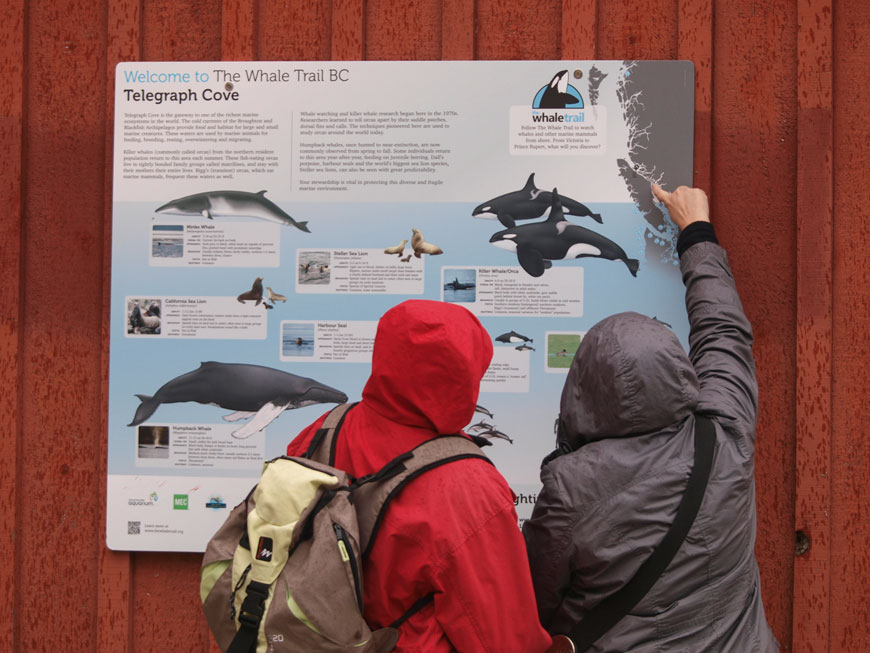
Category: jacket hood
[629,376]
[428,360]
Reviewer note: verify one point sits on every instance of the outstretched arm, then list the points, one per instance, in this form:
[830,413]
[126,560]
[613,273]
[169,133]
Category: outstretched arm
[720,336]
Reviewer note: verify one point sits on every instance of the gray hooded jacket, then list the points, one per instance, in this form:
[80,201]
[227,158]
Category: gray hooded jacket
[628,411]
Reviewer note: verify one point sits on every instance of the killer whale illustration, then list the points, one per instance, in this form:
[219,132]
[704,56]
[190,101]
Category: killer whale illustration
[527,203]
[262,393]
[231,203]
[513,336]
[556,95]
[537,245]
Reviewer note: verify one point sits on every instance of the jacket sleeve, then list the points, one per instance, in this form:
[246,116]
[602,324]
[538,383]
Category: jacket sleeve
[549,544]
[299,444]
[720,339]
[485,600]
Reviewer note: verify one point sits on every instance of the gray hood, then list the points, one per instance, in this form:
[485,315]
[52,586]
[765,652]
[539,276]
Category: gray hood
[630,376]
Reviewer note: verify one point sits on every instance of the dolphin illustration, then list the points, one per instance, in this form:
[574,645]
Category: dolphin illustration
[527,203]
[229,204]
[494,433]
[524,347]
[555,239]
[252,390]
[513,336]
[483,411]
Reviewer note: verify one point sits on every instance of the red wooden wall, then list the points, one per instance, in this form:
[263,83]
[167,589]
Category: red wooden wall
[781,145]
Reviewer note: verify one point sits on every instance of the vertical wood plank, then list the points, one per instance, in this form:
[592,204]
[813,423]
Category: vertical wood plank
[638,30]
[850,510]
[457,30]
[114,594]
[61,352]
[238,30]
[407,31]
[754,208]
[579,29]
[519,29]
[695,21]
[812,569]
[348,24]
[12,29]
[182,31]
[293,30]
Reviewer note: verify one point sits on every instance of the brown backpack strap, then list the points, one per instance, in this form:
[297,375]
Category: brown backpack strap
[322,446]
[372,494]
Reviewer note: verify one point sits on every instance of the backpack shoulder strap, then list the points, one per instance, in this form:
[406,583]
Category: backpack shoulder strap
[322,446]
[372,494]
[608,612]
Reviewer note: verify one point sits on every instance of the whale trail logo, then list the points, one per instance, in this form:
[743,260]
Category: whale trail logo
[558,94]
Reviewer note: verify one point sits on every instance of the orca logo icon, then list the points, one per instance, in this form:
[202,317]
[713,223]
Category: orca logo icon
[264,549]
[558,94]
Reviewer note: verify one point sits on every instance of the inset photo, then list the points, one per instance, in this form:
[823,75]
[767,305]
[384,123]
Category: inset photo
[153,442]
[167,241]
[297,339]
[460,284]
[143,316]
[561,347]
[314,267]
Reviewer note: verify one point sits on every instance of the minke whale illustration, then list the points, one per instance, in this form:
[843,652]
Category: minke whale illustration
[261,393]
[527,203]
[513,336]
[555,239]
[229,204]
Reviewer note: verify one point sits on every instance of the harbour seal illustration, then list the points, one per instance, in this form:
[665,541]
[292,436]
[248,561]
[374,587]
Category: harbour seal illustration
[253,391]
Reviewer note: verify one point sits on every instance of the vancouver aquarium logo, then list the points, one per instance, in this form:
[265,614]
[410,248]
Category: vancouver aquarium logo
[558,94]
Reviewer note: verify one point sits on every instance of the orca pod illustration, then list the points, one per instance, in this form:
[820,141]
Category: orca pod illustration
[253,391]
[230,204]
[528,203]
[555,239]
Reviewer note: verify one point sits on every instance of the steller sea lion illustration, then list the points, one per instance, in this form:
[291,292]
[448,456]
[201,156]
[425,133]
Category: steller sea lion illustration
[421,247]
[396,249]
[255,294]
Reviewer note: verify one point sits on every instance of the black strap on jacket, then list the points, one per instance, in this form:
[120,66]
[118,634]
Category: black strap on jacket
[250,616]
[606,614]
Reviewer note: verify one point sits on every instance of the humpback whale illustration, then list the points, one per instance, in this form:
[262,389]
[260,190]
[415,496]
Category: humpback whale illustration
[527,203]
[229,204]
[513,336]
[555,239]
[556,95]
[262,393]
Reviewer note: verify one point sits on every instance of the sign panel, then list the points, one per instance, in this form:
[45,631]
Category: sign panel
[266,214]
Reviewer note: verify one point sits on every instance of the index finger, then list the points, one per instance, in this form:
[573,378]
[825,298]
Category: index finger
[660,193]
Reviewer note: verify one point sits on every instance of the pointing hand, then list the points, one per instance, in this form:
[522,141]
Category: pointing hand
[685,205]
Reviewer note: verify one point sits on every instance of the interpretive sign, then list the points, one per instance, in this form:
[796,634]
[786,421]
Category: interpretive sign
[266,214]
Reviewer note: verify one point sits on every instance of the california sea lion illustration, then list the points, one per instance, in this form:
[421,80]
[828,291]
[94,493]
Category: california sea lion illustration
[254,391]
[255,294]
[555,239]
[230,204]
[528,203]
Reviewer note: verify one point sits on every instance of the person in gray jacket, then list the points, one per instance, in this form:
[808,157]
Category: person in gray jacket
[627,416]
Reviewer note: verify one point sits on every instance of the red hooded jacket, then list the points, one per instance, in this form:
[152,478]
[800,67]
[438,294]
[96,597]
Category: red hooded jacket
[453,530]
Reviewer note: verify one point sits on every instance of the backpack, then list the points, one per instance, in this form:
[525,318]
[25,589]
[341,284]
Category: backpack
[284,572]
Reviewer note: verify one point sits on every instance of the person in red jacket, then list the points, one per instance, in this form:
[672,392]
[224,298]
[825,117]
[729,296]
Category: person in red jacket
[452,532]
